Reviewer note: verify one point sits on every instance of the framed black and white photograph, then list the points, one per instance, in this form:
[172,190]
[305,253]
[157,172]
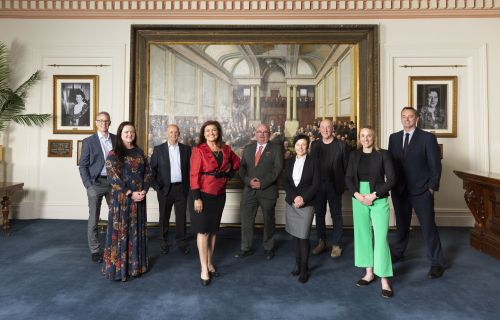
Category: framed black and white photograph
[75,103]
[435,99]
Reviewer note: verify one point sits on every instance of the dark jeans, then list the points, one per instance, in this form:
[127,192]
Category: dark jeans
[327,193]
[424,209]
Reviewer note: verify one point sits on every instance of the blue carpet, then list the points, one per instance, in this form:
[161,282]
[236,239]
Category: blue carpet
[46,273]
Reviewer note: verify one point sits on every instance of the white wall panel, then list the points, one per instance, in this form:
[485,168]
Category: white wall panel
[53,186]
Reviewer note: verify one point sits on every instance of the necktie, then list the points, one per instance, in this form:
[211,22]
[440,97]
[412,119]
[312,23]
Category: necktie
[258,154]
[407,140]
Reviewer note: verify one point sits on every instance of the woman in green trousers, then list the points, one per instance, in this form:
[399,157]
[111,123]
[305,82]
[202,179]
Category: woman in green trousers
[370,175]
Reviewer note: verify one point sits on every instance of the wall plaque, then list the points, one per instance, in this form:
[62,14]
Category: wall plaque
[60,148]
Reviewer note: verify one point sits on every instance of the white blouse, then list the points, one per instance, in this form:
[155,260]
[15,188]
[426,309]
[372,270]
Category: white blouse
[298,167]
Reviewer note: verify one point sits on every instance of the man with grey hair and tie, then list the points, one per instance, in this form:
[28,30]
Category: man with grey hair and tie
[95,149]
[261,165]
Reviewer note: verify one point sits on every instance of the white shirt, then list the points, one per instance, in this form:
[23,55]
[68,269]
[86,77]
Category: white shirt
[175,163]
[298,167]
[409,138]
[106,147]
[260,145]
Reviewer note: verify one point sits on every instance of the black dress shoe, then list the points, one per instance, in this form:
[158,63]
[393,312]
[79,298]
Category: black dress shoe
[269,254]
[184,249]
[296,270]
[387,293]
[435,272]
[304,277]
[364,283]
[96,257]
[164,248]
[397,258]
[244,253]
[213,273]
[205,282]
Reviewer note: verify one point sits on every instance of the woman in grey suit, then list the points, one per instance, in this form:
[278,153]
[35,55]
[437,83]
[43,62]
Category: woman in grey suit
[302,180]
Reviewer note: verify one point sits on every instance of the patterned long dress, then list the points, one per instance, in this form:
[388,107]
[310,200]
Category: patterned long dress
[125,253]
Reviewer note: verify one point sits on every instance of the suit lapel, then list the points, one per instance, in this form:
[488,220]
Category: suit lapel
[183,152]
[253,152]
[97,143]
[166,152]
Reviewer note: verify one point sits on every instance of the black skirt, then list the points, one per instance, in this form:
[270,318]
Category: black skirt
[208,220]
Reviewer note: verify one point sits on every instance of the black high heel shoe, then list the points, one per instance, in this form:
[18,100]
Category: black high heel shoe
[214,273]
[296,269]
[205,282]
[387,293]
[363,283]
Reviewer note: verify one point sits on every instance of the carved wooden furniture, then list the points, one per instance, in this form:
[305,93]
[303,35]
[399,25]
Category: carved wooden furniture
[482,195]
[6,190]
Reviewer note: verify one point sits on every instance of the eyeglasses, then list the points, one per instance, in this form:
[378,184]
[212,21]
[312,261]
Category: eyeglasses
[264,132]
[104,121]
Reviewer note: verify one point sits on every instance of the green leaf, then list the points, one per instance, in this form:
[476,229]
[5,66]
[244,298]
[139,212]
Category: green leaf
[12,105]
[22,91]
[4,66]
[32,119]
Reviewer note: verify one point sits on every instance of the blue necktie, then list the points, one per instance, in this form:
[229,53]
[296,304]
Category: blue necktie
[407,140]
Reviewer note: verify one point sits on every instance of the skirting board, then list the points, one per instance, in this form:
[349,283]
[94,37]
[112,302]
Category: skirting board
[444,216]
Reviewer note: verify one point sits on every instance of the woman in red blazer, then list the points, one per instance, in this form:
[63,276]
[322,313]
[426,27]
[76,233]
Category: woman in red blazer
[212,164]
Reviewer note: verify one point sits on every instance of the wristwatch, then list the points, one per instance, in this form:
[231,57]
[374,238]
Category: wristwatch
[377,195]
[129,195]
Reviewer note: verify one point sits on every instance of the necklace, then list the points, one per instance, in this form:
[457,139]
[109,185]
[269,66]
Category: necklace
[216,153]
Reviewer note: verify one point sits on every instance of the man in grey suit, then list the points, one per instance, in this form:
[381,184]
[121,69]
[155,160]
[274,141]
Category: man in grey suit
[170,167]
[95,149]
[261,165]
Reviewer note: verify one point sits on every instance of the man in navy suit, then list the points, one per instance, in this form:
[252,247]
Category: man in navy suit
[170,167]
[418,167]
[93,172]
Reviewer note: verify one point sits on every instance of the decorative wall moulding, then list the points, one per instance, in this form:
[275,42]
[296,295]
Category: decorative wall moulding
[248,9]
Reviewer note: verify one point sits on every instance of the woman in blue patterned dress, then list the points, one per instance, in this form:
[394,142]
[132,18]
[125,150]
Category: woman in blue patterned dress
[130,176]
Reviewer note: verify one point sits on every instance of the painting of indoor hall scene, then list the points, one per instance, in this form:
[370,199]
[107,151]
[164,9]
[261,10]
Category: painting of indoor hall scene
[290,87]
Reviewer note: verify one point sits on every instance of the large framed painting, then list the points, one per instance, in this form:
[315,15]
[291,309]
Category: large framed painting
[284,76]
[435,99]
[75,103]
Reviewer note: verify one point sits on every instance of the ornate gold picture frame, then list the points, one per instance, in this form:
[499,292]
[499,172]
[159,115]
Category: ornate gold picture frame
[75,103]
[435,98]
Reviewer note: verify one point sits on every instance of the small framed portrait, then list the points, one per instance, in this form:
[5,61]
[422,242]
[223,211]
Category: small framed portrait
[60,148]
[75,103]
[79,144]
[435,99]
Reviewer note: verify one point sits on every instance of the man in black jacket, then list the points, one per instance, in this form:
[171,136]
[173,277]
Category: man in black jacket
[170,167]
[332,155]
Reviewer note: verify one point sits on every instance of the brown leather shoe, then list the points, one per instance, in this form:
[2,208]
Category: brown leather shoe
[320,248]
[336,252]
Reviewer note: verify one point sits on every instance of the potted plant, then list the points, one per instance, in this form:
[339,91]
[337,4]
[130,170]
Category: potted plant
[12,104]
